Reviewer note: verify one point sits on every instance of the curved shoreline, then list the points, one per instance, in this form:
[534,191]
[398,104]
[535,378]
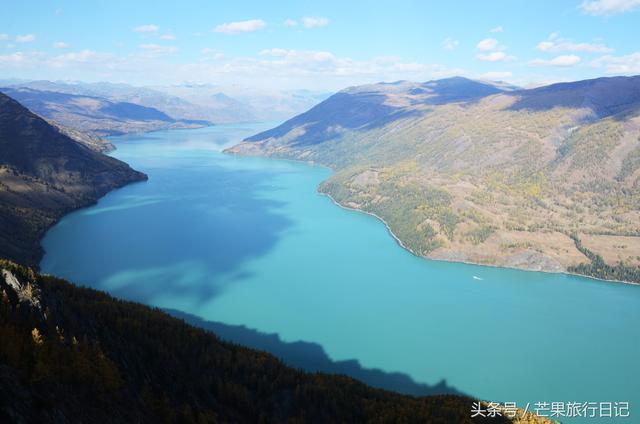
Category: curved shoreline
[400,243]
[335,202]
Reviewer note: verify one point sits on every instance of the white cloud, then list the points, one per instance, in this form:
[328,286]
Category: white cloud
[167,37]
[608,7]
[298,55]
[4,37]
[496,29]
[273,69]
[495,57]
[314,68]
[274,52]
[555,44]
[493,51]
[67,65]
[60,45]
[81,57]
[290,23]
[450,44]
[240,26]
[314,22]
[13,59]
[156,49]
[488,44]
[545,46]
[564,60]
[212,54]
[26,38]
[628,64]
[147,28]
[496,75]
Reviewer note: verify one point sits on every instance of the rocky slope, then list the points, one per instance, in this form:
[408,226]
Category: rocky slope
[78,355]
[544,179]
[91,141]
[44,174]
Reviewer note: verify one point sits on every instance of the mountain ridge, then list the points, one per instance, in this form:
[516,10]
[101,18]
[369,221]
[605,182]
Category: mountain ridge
[376,104]
[518,178]
[97,115]
[205,103]
[44,174]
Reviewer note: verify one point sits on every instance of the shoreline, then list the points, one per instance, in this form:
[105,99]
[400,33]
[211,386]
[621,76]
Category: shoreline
[389,230]
[41,251]
[399,242]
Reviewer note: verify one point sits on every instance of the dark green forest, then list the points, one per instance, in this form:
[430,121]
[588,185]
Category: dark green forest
[71,354]
[598,268]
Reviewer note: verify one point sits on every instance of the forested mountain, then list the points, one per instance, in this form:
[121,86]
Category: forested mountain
[44,174]
[545,178]
[78,355]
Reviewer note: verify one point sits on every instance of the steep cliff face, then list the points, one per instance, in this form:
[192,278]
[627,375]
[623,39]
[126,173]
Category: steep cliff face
[43,175]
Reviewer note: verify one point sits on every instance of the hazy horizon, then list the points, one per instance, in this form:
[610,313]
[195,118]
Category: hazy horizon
[320,47]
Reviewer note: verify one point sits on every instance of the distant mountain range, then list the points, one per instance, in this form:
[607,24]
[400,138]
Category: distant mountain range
[45,174]
[463,170]
[246,104]
[97,115]
[216,108]
[108,108]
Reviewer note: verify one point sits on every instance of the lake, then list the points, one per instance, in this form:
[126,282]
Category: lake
[248,248]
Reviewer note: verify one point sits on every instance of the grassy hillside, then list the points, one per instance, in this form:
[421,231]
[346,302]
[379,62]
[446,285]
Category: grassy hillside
[73,354]
[502,179]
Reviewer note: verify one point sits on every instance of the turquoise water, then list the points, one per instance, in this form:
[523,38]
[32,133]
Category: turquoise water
[249,241]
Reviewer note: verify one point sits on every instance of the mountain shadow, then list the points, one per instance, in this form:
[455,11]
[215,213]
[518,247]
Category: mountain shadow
[311,357]
[224,221]
[606,97]
[80,356]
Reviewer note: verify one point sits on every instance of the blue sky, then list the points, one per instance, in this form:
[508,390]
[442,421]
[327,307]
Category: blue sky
[318,45]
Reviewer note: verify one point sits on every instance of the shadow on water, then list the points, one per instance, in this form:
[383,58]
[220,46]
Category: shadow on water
[312,357]
[185,233]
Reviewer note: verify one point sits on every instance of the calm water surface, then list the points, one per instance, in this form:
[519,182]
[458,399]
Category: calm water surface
[249,241]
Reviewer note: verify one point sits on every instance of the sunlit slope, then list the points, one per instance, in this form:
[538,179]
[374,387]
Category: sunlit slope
[503,179]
